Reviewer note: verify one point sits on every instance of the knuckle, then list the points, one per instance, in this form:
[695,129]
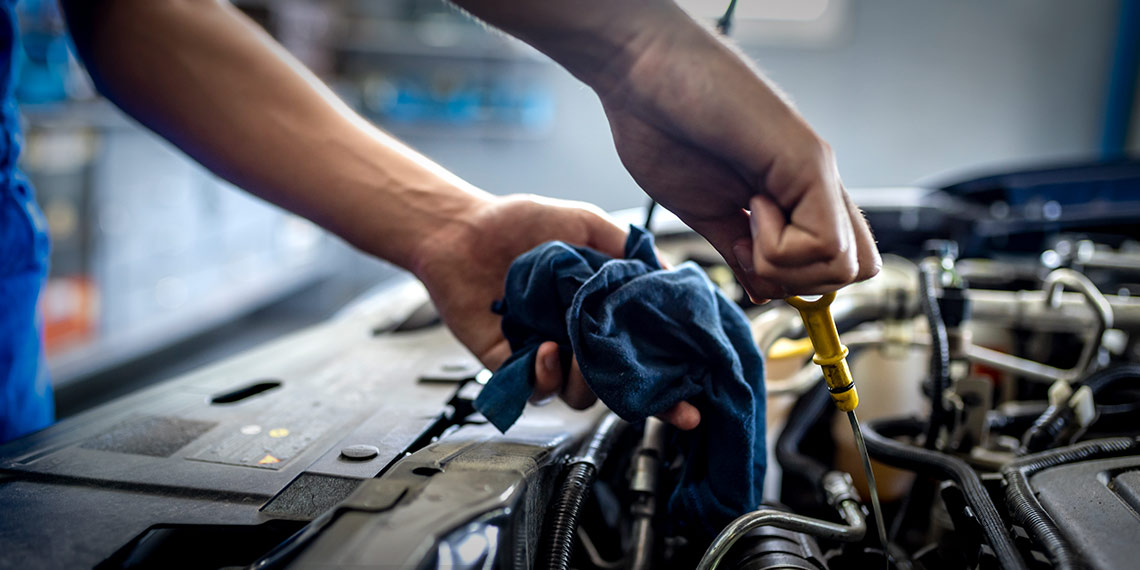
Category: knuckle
[823,248]
[592,211]
[588,220]
[805,250]
[869,270]
[816,155]
[846,270]
[767,272]
[784,255]
[826,152]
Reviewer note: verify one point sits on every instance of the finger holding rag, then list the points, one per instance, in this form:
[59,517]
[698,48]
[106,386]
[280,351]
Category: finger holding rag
[465,264]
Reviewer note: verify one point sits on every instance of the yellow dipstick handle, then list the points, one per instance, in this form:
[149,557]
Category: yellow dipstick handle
[830,354]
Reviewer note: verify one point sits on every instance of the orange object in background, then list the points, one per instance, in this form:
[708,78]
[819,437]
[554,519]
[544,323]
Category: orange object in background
[70,309]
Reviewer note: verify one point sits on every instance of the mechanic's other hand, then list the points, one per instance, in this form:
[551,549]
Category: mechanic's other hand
[707,137]
[464,267]
[574,391]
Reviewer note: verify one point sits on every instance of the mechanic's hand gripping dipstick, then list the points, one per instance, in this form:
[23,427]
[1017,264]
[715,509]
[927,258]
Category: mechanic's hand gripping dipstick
[831,356]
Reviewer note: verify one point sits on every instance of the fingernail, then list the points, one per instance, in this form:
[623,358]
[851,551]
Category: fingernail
[753,219]
[743,255]
[543,401]
[551,362]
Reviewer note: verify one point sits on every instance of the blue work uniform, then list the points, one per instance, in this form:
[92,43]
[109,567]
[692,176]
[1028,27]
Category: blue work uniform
[25,393]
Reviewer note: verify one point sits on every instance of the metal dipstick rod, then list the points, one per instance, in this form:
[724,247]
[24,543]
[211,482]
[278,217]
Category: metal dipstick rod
[831,356]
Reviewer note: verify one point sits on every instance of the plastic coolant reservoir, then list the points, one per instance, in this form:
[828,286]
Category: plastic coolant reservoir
[890,385]
[778,407]
[889,381]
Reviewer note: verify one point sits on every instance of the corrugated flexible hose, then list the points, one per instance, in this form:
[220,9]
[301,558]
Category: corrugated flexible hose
[882,447]
[1027,510]
[558,540]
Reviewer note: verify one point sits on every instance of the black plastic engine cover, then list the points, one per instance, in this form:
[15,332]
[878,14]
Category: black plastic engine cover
[244,451]
[1096,504]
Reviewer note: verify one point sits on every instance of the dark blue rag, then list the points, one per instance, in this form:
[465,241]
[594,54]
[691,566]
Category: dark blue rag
[646,338]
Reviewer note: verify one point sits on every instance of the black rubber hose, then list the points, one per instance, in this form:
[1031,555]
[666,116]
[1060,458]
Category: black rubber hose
[1014,422]
[1027,510]
[1101,379]
[558,540]
[1121,415]
[940,465]
[564,517]
[1046,431]
[939,352]
[801,418]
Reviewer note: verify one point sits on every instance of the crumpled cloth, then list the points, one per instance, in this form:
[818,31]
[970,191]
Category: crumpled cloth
[645,338]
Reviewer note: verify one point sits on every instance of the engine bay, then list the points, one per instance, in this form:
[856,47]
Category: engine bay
[996,356]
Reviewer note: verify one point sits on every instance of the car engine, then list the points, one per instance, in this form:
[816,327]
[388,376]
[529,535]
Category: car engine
[996,357]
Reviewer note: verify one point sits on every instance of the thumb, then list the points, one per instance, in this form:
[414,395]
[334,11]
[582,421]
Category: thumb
[731,236]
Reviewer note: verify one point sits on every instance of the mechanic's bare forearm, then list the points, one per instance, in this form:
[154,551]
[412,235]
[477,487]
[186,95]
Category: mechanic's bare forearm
[636,54]
[205,77]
